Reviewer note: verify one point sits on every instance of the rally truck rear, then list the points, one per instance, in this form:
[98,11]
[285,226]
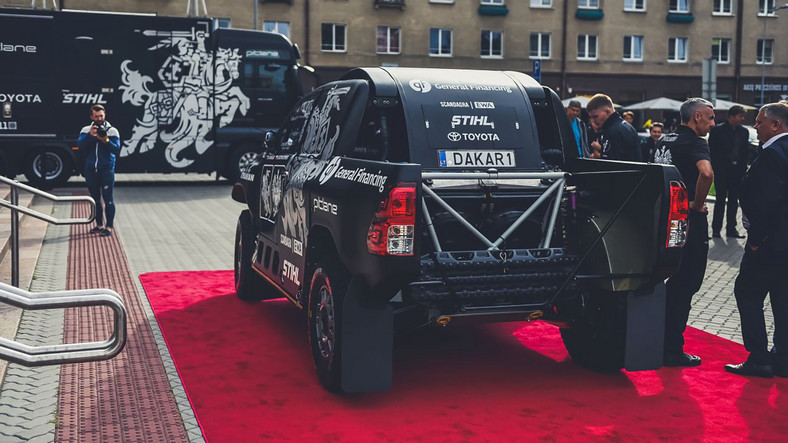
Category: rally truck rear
[401,198]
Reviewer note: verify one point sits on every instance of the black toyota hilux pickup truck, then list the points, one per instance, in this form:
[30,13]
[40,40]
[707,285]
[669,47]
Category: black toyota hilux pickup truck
[397,198]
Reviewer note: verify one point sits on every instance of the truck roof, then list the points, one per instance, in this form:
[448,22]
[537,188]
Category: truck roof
[465,118]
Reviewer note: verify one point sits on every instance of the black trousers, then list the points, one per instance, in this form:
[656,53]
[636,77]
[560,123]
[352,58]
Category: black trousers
[686,282]
[727,181]
[762,273]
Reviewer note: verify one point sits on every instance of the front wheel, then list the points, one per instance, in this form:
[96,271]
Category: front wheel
[326,296]
[48,167]
[249,285]
[597,341]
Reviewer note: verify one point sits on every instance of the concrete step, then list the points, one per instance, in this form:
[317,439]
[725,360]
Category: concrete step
[25,200]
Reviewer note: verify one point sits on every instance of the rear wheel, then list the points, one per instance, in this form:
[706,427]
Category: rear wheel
[326,297]
[48,167]
[597,341]
[249,285]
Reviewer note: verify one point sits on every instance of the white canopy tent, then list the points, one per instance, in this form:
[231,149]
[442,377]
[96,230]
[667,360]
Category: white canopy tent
[583,101]
[660,103]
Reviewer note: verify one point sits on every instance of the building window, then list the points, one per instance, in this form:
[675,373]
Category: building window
[493,2]
[766,7]
[765,52]
[333,37]
[388,40]
[677,49]
[492,44]
[586,47]
[681,6]
[541,3]
[635,5]
[721,50]
[223,23]
[723,7]
[540,45]
[588,4]
[277,27]
[440,41]
[633,48]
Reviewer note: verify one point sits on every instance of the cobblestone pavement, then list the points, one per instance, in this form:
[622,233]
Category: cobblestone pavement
[189,225]
[28,397]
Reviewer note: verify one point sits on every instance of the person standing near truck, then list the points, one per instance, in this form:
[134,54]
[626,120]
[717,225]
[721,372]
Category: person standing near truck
[689,153]
[99,144]
[728,142]
[619,140]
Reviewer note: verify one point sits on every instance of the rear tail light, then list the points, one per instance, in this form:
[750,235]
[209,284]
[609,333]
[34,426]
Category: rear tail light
[392,227]
[678,225]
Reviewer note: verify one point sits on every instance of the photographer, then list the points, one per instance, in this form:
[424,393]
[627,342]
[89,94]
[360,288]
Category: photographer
[99,143]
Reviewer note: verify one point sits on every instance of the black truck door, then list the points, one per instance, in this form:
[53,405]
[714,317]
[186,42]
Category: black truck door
[327,131]
[273,178]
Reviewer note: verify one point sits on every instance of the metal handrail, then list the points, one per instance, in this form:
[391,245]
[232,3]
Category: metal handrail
[67,352]
[13,205]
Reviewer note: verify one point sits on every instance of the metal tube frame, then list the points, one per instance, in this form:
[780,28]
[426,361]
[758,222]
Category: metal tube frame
[556,188]
[68,352]
[13,205]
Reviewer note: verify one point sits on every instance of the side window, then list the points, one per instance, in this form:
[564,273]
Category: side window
[328,119]
[293,129]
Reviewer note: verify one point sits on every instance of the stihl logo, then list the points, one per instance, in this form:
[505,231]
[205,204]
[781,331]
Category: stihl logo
[471,120]
[85,99]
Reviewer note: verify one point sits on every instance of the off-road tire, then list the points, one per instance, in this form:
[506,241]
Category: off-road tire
[249,285]
[326,296]
[597,342]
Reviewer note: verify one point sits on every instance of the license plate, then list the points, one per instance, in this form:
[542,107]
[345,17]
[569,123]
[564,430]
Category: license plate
[476,159]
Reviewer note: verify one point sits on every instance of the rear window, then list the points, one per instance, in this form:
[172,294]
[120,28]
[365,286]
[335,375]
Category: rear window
[472,122]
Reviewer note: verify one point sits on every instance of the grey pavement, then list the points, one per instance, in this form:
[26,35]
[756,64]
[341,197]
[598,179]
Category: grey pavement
[177,223]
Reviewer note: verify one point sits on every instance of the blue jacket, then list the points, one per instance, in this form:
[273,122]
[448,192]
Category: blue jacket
[97,154]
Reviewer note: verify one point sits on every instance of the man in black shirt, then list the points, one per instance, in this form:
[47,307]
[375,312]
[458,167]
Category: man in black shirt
[619,139]
[728,143]
[689,153]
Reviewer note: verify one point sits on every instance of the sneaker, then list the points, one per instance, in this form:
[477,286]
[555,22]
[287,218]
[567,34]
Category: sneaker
[733,233]
[96,230]
[105,232]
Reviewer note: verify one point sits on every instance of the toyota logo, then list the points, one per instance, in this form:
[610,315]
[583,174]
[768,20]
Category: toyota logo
[454,136]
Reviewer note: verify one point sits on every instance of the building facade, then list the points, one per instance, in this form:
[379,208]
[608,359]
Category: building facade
[632,50]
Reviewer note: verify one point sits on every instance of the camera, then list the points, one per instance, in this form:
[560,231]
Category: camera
[101,129]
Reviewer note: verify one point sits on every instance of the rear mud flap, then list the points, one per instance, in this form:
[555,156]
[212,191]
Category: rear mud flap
[645,329]
[367,342]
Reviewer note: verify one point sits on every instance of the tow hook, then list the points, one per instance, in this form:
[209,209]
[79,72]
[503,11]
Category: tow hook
[443,320]
[536,315]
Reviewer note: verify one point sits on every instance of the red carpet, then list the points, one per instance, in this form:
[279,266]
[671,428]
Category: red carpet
[249,375]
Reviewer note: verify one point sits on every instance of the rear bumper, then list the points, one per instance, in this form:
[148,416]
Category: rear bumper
[493,278]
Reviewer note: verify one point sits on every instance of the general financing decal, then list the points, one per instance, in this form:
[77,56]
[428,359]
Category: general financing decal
[358,175]
[425,87]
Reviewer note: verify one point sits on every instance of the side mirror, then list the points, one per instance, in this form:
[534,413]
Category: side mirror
[270,140]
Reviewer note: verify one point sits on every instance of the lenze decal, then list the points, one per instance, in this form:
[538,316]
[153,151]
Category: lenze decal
[319,204]
[471,120]
[6,47]
[80,98]
[290,271]
[20,98]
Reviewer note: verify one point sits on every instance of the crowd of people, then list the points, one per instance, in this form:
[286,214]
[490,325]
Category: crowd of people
[760,189]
